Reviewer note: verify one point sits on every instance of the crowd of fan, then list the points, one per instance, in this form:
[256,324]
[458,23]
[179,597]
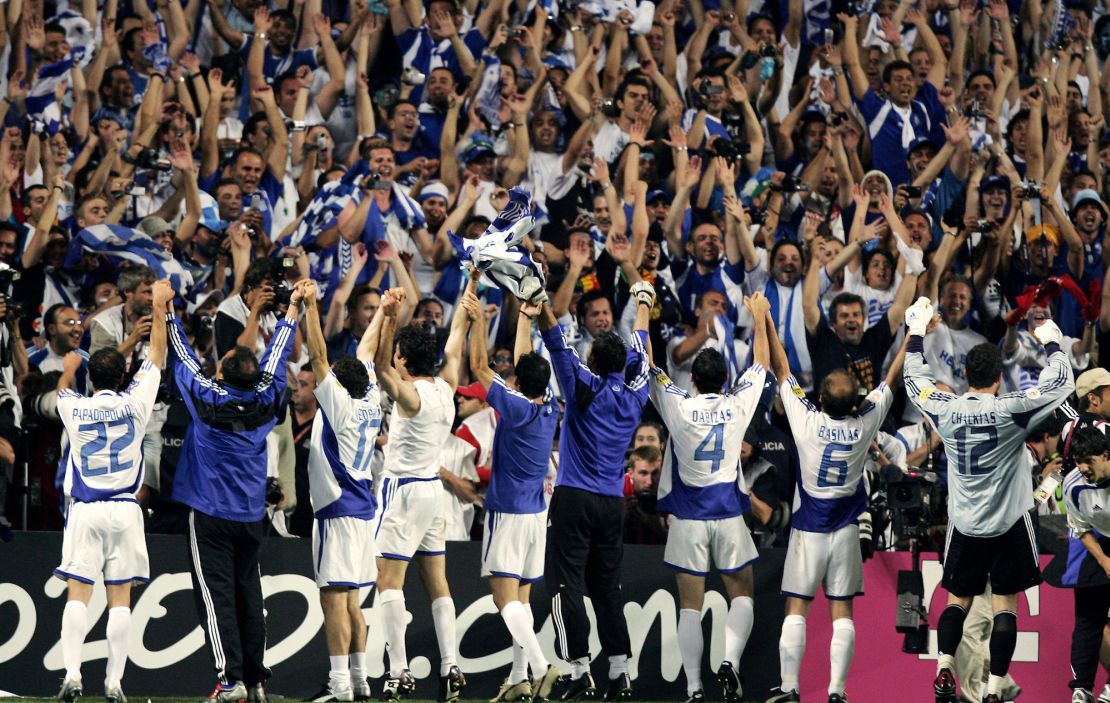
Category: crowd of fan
[840,157]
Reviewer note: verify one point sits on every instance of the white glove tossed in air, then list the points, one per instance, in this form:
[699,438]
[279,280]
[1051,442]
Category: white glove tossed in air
[644,293]
[919,315]
[1048,333]
[915,258]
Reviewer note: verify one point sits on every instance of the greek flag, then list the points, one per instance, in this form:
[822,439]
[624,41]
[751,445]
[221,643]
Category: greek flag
[324,208]
[489,92]
[498,252]
[40,101]
[79,35]
[209,213]
[125,244]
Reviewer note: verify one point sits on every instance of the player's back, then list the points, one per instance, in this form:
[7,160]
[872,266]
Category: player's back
[415,443]
[341,449]
[832,452]
[105,434]
[701,477]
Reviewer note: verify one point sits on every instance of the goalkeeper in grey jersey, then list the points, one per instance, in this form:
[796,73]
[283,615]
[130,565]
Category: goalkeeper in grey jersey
[990,494]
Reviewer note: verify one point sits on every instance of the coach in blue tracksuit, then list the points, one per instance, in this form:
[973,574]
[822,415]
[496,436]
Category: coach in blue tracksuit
[221,477]
[604,399]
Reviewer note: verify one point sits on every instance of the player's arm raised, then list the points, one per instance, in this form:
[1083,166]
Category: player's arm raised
[780,362]
[163,294]
[401,391]
[479,345]
[920,382]
[760,308]
[452,351]
[71,364]
[314,334]
[372,338]
[1055,384]
[639,350]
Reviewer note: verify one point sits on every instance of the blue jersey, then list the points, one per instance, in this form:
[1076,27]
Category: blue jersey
[521,450]
[602,414]
[420,51]
[690,283]
[889,146]
[341,447]
[222,468]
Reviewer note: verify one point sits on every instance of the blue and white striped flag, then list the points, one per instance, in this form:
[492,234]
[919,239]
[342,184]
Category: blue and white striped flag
[124,243]
[489,92]
[79,35]
[499,253]
[40,102]
[324,208]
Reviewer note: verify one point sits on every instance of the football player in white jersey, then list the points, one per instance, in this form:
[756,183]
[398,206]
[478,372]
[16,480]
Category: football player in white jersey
[703,490]
[410,520]
[990,494]
[833,444]
[104,471]
[341,487]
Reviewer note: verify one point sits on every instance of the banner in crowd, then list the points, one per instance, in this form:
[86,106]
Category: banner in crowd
[168,656]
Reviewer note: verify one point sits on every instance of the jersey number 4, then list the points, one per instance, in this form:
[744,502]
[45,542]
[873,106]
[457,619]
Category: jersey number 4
[97,444]
[716,453]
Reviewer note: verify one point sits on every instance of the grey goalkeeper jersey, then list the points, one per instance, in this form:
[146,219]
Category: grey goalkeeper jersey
[989,486]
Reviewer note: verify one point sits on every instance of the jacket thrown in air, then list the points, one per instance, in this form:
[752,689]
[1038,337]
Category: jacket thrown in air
[222,468]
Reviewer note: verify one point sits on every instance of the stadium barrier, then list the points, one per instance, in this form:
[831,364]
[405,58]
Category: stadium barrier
[168,656]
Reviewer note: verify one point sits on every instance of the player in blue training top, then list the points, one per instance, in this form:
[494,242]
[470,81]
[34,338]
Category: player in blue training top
[702,488]
[516,534]
[832,444]
[103,472]
[604,399]
[341,488]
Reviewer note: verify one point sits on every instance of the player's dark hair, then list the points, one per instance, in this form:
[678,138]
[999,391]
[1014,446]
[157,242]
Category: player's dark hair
[1087,442]
[239,368]
[418,348]
[838,399]
[1050,426]
[106,369]
[351,374]
[607,354]
[533,374]
[896,66]
[843,299]
[709,371]
[984,365]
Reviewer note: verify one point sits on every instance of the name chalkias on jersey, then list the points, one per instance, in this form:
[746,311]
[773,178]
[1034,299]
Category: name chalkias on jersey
[975,419]
[102,414]
[711,416]
[838,434]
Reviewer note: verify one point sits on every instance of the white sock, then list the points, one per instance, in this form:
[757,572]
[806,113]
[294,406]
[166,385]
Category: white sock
[393,623]
[116,632]
[519,672]
[841,649]
[738,627]
[579,667]
[443,617]
[340,676]
[691,643]
[946,661]
[618,665]
[73,637]
[358,667]
[517,617]
[995,684]
[792,645]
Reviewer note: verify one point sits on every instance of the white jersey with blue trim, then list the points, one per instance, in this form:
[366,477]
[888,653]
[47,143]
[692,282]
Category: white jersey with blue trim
[341,449]
[989,486]
[701,477]
[416,443]
[105,435]
[832,452]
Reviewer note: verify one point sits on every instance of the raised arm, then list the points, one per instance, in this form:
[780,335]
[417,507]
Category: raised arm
[471,308]
[163,294]
[453,349]
[401,391]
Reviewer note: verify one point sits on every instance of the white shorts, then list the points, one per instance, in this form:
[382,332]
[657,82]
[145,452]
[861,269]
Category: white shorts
[831,559]
[410,518]
[104,538]
[695,545]
[513,545]
[343,552]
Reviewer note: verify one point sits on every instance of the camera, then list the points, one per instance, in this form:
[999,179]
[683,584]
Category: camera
[14,308]
[609,107]
[730,150]
[513,33]
[913,191]
[1031,189]
[974,111]
[375,182]
[791,184]
[274,494]
[768,51]
[321,141]
[728,18]
[983,226]
[148,158]
[411,76]
[283,294]
[706,88]
[830,37]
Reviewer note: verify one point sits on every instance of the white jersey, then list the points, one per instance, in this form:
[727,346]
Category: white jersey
[701,478]
[415,443]
[832,452]
[989,486]
[341,448]
[1088,505]
[105,436]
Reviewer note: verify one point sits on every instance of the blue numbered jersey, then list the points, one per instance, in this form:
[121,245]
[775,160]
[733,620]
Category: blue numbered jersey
[521,450]
[831,456]
[105,435]
[340,450]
